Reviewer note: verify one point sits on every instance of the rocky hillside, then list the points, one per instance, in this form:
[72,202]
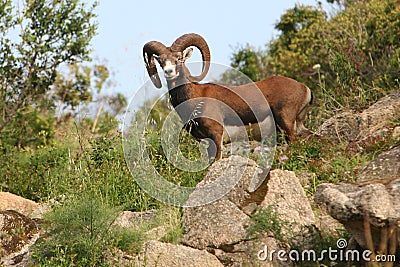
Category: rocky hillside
[270,226]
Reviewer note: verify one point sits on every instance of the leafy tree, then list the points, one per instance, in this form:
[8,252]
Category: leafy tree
[249,62]
[293,53]
[80,87]
[300,44]
[35,39]
[72,89]
[118,103]
[365,41]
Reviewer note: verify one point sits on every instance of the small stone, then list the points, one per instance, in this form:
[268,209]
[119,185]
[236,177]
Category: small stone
[396,132]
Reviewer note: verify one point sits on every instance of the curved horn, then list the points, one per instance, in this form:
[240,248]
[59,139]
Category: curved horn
[193,39]
[149,50]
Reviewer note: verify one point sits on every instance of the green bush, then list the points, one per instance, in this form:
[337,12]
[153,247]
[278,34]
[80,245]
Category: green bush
[78,232]
[30,128]
[37,174]
[267,221]
[67,167]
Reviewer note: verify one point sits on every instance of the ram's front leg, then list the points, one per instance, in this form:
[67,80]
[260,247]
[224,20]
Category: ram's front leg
[215,133]
[215,148]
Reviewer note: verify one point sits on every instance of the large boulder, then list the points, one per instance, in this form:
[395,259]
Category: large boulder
[288,200]
[350,126]
[203,225]
[235,178]
[369,209]
[352,204]
[221,226]
[217,225]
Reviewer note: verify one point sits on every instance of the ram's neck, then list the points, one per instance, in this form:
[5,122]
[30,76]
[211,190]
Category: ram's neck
[179,91]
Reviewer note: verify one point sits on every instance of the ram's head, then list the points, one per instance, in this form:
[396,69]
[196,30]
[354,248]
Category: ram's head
[172,59]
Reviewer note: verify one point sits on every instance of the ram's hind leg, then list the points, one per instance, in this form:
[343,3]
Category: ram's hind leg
[287,125]
[300,129]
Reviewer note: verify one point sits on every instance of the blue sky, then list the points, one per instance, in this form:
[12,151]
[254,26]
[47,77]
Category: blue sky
[124,26]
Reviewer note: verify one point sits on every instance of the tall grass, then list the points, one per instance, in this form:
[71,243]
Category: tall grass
[71,165]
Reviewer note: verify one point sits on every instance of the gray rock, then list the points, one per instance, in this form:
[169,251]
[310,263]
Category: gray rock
[288,199]
[220,227]
[373,202]
[338,201]
[260,252]
[223,222]
[383,169]
[341,127]
[215,225]
[236,178]
[327,225]
[130,219]
[352,205]
[348,126]
[381,114]
[166,255]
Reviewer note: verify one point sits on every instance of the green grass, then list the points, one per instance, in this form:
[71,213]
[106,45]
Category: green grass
[65,168]
[329,161]
[189,148]
[90,179]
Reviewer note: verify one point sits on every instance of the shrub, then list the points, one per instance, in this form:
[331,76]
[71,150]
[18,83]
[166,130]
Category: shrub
[78,232]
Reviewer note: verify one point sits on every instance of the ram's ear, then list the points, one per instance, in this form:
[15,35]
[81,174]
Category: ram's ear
[187,53]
